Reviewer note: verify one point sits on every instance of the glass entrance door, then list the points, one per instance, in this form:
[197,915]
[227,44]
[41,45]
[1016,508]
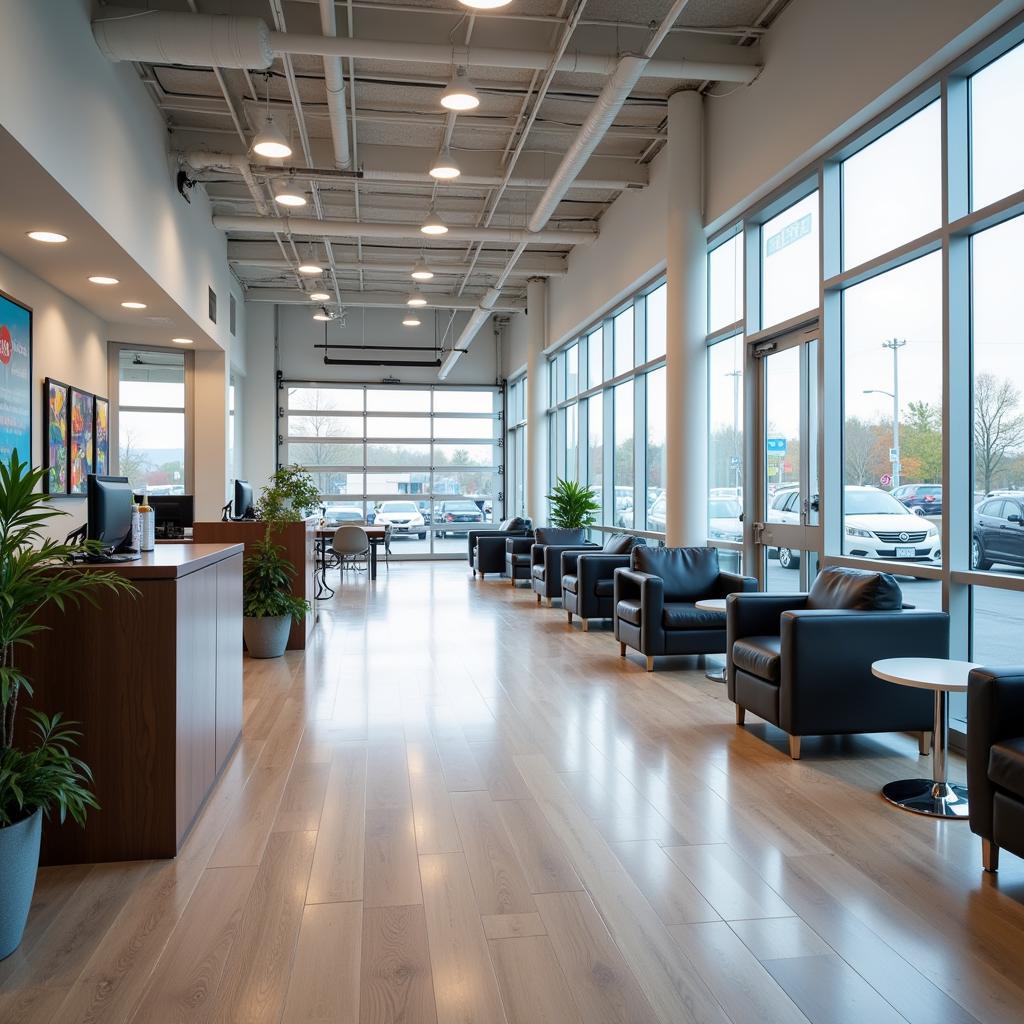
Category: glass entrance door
[787,532]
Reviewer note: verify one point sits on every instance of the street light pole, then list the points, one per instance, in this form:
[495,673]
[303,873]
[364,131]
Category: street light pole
[895,344]
[736,374]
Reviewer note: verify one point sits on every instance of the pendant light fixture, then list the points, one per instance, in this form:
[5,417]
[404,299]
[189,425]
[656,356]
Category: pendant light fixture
[421,272]
[322,314]
[433,225]
[460,93]
[444,165]
[270,141]
[485,5]
[286,194]
[411,320]
[319,296]
[310,269]
[416,298]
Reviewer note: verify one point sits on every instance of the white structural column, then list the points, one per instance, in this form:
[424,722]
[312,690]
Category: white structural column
[686,358]
[537,400]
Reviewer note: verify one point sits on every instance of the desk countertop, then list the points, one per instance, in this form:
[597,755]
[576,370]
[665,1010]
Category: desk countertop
[171,561]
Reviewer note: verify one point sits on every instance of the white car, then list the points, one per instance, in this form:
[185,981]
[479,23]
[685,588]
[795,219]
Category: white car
[724,519]
[875,525]
[403,517]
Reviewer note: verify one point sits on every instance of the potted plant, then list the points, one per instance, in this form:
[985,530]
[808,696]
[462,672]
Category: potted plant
[38,772]
[268,604]
[573,505]
[290,496]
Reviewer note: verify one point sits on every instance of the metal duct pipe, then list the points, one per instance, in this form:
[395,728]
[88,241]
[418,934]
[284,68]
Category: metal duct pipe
[390,300]
[334,79]
[237,162]
[201,40]
[356,229]
[486,181]
[271,263]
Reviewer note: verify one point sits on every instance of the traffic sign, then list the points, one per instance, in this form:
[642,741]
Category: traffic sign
[776,445]
[885,480]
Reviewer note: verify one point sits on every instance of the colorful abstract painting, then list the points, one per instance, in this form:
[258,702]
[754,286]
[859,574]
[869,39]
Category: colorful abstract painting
[81,440]
[55,434]
[15,379]
[101,430]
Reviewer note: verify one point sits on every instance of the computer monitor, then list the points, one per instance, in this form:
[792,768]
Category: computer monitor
[108,503]
[173,513]
[243,500]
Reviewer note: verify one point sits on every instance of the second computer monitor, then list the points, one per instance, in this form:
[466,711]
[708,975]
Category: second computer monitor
[174,512]
[109,509]
[243,500]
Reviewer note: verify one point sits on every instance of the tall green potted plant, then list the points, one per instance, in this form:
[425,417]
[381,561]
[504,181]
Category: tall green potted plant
[38,772]
[573,505]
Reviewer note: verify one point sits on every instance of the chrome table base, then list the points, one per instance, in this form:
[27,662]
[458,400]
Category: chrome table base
[923,796]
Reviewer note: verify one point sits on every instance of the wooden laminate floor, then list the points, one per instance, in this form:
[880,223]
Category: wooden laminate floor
[455,809]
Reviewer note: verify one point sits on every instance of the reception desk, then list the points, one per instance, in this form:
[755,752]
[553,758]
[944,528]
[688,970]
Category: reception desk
[299,543]
[155,681]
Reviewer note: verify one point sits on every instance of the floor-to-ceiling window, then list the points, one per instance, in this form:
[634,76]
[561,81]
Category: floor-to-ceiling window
[515,452]
[424,459]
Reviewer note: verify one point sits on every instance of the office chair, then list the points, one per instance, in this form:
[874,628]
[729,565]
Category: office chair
[350,544]
[387,547]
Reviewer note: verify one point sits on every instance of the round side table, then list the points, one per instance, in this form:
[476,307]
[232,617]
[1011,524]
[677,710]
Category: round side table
[936,797]
[713,604]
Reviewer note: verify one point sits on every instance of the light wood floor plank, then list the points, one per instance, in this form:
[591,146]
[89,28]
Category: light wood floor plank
[669,891]
[395,979]
[391,872]
[510,926]
[544,861]
[779,938]
[302,804]
[533,988]
[436,831]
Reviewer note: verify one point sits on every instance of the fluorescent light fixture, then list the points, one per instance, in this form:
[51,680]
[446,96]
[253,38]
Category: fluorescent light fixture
[411,320]
[416,299]
[444,165]
[485,5]
[183,341]
[134,305]
[460,94]
[319,296]
[322,314]
[270,141]
[421,272]
[50,237]
[310,269]
[433,225]
[100,279]
[286,195]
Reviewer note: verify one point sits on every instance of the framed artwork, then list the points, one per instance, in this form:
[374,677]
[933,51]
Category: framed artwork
[80,440]
[55,436]
[101,436]
[15,379]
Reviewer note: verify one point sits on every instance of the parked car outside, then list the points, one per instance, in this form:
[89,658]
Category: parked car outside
[875,525]
[724,521]
[344,513]
[999,531]
[403,517]
[463,513]
[924,499]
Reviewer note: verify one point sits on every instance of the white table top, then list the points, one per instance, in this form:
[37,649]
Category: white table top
[925,673]
[711,604]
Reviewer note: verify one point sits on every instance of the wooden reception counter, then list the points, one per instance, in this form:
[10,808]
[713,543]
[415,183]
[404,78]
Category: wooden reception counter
[155,680]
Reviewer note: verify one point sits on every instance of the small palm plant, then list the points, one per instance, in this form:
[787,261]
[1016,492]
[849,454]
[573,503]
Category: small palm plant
[573,505]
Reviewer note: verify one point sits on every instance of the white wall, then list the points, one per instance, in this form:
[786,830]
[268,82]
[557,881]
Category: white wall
[95,129]
[514,345]
[259,395]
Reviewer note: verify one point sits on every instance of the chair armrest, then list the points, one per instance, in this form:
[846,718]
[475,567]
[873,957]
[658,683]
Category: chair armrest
[995,712]
[518,545]
[553,555]
[649,590]
[758,614]
[732,583]
[591,568]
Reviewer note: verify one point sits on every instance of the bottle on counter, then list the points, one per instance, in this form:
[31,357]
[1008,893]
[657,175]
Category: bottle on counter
[147,525]
[136,541]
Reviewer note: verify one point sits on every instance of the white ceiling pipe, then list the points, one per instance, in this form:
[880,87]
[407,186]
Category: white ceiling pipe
[370,266]
[202,40]
[356,229]
[387,300]
[237,162]
[487,181]
[334,80]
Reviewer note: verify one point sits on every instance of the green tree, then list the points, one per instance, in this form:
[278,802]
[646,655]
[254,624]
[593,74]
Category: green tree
[921,443]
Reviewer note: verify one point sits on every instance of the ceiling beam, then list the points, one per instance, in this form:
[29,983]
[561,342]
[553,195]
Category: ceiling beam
[379,300]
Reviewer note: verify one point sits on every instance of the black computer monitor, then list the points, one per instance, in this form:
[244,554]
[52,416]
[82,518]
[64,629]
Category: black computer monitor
[243,500]
[173,513]
[108,504]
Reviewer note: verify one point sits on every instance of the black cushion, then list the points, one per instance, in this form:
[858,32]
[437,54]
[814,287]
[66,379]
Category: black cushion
[619,544]
[569,583]
[680,615]
[855,590]
[1006,765]
[629,611]
[538,571]
[514,525]
[559,535]
[761,656]
[604,588]
[505,525]
[520,559]
[688,573]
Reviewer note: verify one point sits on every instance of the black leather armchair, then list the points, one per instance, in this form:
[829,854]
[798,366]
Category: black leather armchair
[487,547]
[655,601]
[803,661]
[995,760]
[517,558]
[546,558]
[588,580]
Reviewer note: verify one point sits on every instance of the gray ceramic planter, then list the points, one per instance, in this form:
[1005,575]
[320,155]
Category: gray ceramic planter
[19,859]
[266,637]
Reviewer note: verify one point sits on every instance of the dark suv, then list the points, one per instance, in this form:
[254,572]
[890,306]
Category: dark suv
[923,498]
[998,531]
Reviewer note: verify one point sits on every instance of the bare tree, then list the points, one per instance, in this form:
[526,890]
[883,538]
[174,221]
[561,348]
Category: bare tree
[860,451]
[130,461]
[998,428]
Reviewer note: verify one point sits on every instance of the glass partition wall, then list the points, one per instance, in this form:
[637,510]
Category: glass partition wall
[895,262]
[426,460]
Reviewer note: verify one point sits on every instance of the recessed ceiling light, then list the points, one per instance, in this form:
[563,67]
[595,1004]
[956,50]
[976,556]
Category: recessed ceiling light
[444,165]
[270,141]
[183,341]
[134,305]
[433,225]
[50,237]
[287,195]
[421,272]
[322,314]
[485,5]
[411,320]
[311,269]
[460,93]
[416,299]
[319,296]
[100,279]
